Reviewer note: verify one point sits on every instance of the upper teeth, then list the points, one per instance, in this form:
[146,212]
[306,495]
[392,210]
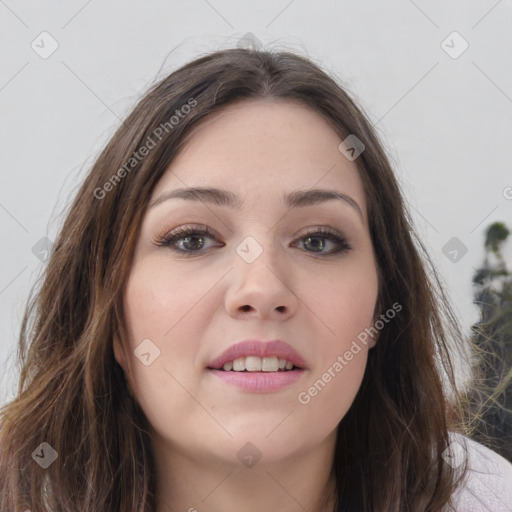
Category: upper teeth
[257,364]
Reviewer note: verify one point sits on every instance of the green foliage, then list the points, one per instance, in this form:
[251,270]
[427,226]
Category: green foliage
[496,234]
[492,337]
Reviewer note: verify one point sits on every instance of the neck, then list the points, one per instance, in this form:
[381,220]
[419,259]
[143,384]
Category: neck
[195,484]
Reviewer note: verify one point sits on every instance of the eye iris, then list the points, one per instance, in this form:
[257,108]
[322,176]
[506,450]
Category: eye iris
[187,239]
[317,246]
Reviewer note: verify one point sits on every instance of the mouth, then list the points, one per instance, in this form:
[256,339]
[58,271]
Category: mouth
[257,366]
[258,356]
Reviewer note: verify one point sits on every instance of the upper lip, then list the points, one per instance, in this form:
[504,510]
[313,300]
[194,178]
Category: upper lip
[278,348]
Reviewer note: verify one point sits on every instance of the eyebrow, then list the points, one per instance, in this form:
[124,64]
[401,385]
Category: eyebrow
[219,197]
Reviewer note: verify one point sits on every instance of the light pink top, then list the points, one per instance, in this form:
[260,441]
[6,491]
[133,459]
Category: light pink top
[488,486]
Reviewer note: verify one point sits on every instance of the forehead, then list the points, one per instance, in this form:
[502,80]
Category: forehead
[259,148]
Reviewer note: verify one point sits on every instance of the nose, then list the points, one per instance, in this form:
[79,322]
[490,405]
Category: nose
[261,289]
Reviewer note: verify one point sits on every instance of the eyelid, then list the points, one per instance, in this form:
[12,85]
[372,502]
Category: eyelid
[312,230]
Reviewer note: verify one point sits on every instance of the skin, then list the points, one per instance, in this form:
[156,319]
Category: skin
[193,308]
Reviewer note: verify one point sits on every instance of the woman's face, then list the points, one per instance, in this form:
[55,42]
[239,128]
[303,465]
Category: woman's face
[264,273]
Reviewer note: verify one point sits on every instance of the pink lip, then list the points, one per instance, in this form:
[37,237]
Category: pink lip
[277,348]
[262,382]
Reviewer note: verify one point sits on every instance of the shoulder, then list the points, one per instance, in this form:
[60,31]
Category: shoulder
[488,482]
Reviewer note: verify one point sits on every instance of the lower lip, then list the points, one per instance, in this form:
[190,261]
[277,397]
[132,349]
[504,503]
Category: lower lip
[260,382]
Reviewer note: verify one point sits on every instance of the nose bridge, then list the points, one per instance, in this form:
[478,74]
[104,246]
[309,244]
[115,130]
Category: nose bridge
[259,256]
[258,242]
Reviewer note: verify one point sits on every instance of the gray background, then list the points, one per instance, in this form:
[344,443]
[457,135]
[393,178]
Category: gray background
[446,121]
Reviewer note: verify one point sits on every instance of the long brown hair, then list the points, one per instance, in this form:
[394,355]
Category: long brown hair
[73,395]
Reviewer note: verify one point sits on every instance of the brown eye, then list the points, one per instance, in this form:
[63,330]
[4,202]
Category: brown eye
[315,242]
[186,240]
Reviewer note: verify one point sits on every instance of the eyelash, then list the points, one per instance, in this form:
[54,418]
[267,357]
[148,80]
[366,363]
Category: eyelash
[167,239]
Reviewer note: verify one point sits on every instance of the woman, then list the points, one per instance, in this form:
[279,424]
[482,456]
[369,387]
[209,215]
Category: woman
[236,316]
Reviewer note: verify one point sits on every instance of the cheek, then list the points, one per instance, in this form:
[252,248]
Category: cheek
[160,305]
[158,298]
[345,305]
